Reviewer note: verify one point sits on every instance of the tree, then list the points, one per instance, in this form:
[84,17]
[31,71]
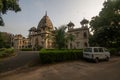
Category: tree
[6,5]
[106,26]
[59,37]
[1,41]
[6,40]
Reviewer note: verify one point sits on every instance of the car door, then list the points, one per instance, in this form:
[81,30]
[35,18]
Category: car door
[96,52]
[102,53]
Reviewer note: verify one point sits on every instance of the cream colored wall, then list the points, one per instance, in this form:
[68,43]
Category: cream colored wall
[20,42]
[79,40]
[46,43]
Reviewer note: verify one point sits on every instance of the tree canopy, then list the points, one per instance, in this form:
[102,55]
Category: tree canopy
[6,5]
[59,37]
[6,40]
[106,26]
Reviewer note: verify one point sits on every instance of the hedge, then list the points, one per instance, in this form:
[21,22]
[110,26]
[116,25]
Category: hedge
[4,52]
[26,49]
[54,55]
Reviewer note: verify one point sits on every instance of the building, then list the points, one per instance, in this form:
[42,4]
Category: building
[39,36]
[20,42]
[81,35]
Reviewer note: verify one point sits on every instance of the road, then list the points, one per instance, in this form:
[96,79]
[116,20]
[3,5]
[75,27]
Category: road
[21,59]
[76,70]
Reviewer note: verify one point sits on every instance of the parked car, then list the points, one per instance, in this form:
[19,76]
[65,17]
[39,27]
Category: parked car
[96,53]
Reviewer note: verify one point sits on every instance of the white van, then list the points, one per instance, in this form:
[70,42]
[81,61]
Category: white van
[96,53]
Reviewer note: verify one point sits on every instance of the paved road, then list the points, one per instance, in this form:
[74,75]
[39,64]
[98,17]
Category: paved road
[21,59]
[77,70]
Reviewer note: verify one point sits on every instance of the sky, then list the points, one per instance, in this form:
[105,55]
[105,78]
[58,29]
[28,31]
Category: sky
[61,12]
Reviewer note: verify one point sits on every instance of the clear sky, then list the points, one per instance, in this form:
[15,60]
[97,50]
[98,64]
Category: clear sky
[60,12]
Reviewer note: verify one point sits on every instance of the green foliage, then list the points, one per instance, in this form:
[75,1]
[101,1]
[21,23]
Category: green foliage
[60,39]
[114,51]
[26,49]
[55,55]
[5,40]
[2,49]
[106,26]
[6,52]
[9,51]
[6,5]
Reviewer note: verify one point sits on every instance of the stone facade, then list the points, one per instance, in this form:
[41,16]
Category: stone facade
[20,42]
[39,36]
[81,35]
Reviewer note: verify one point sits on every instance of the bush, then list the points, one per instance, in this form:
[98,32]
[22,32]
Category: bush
[26,49]
[112,51]
[54,55]
[9,51]
[6,52]
[2,49]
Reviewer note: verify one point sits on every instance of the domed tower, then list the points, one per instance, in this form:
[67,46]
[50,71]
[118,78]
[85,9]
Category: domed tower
[84,23]
[70,25]
[45,29]
[45,24]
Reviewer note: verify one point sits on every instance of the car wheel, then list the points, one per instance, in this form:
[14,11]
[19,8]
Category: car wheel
[107,58]
[96,60]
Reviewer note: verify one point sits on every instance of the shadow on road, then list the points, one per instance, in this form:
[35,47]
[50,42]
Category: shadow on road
[22,58]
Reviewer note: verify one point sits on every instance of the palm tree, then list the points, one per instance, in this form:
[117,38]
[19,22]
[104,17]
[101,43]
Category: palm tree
[59,37]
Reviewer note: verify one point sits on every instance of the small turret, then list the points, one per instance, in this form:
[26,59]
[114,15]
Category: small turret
[70,25]
[32,31]
[84,23]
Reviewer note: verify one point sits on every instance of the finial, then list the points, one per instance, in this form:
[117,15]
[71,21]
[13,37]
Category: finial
[45,13]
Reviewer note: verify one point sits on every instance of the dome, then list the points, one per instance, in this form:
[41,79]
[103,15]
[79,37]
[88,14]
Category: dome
[32,29]
[84,21]
[45,22]
[70,24]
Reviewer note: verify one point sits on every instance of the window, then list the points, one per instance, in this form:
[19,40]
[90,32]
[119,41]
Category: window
[70,45]
[77,34]
[86,45]
[100,49]
[88,50]
[96,50]
[85,35]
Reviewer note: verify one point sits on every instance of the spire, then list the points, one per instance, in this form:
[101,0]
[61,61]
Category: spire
[45,13]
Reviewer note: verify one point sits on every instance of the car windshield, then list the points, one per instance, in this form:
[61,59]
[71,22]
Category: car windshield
[88,50]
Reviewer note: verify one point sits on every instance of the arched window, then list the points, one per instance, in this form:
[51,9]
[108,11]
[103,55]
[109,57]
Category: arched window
[85,35]
[86,45]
